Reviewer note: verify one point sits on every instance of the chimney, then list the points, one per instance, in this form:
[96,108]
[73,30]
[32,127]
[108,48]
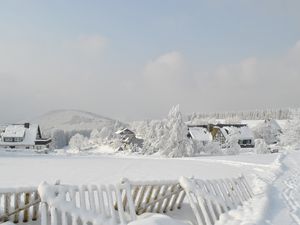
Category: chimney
[26,125]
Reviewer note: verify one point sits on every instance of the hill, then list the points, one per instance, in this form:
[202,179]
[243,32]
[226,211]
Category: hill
[61,125]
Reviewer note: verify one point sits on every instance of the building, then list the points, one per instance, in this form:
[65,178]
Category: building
[23,136]
[199,133]
[127,137]
[221,132]
[268,129]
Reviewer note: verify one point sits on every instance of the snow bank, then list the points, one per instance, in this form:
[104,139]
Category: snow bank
[158,219]
[254,211]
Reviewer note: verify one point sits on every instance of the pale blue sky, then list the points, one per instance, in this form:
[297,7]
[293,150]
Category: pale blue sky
[99,54]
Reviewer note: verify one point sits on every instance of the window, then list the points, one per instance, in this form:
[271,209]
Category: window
[8,139]
[18,139]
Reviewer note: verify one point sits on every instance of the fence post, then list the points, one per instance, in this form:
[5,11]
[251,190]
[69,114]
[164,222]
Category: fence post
[16,203]
[26,211]
[35,207]
[6,205]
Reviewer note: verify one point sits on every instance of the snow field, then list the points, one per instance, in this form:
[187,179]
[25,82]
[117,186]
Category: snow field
[274,178]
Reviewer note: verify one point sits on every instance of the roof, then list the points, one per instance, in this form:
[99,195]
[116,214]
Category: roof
[125,130]
[274,124]
[29,134]
[200,134]
[14,131]
[243,132]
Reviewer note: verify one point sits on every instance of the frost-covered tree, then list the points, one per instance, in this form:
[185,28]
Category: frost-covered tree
[154,131]
[269,130]
[174,141]
[261,147]
[212,148]
[281,114]
[231,146]
[291,135]
[79,142]
[59,139]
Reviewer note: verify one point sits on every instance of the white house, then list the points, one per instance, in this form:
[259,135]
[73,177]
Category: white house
[244,134]
[199,133]
[25,136]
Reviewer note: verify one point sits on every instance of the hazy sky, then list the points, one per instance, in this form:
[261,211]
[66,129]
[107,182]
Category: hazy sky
[135,59]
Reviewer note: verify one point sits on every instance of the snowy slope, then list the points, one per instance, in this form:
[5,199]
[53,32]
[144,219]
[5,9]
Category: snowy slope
[69,120]
[61,125]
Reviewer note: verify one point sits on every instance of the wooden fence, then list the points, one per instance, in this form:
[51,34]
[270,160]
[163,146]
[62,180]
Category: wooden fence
[156,196]
[107,204]
[120,204]
[210,198]
[19,205]
[66,204]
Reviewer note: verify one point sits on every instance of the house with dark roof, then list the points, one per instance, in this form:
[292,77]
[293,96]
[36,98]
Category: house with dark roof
[23,136]
[128,137]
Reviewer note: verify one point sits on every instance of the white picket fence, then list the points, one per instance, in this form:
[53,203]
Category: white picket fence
[121,203]
[19,204]
[210,198]
[66,204]
[113,204]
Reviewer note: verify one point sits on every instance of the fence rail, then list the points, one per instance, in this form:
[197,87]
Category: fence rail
[74,205]
[156,196]
[210,198]
[120,204]
[19,205]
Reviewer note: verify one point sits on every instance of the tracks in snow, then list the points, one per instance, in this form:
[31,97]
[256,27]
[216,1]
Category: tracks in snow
[291,188]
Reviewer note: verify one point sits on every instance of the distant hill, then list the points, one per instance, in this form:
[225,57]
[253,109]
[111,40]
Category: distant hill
[61,125]
[72,120]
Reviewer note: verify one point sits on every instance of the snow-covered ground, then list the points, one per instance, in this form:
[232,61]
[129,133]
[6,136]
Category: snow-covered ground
[275,178]
[28,169]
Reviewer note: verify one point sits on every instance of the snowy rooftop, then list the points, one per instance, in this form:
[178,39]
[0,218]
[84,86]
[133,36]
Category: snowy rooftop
[200,134]
[14,131]
[125,130]
[29,134]
[244,132]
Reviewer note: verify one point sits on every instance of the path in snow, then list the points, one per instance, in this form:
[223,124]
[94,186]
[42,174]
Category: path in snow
[280,202]
[289,185]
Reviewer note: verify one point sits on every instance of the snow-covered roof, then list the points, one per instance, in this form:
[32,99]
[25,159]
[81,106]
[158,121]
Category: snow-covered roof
[14,131]
[243,132]
[200,134]
[125,130]
[274,124]
[29,134]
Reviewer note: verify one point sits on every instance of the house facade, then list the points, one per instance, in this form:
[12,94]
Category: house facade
[221,132]
[23,136]
[128,137]
[199,133]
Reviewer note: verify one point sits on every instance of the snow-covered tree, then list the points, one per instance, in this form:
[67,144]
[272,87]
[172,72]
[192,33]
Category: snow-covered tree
[59,139]
[231,146]
[291,135]
[174,142]
[261,147]
[269,130]
[212,148]
[79,142]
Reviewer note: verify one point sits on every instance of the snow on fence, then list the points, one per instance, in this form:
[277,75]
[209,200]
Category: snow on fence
[155,196]
[121,203]
[210,198]
[107,204]
[66,204]
[19,204]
